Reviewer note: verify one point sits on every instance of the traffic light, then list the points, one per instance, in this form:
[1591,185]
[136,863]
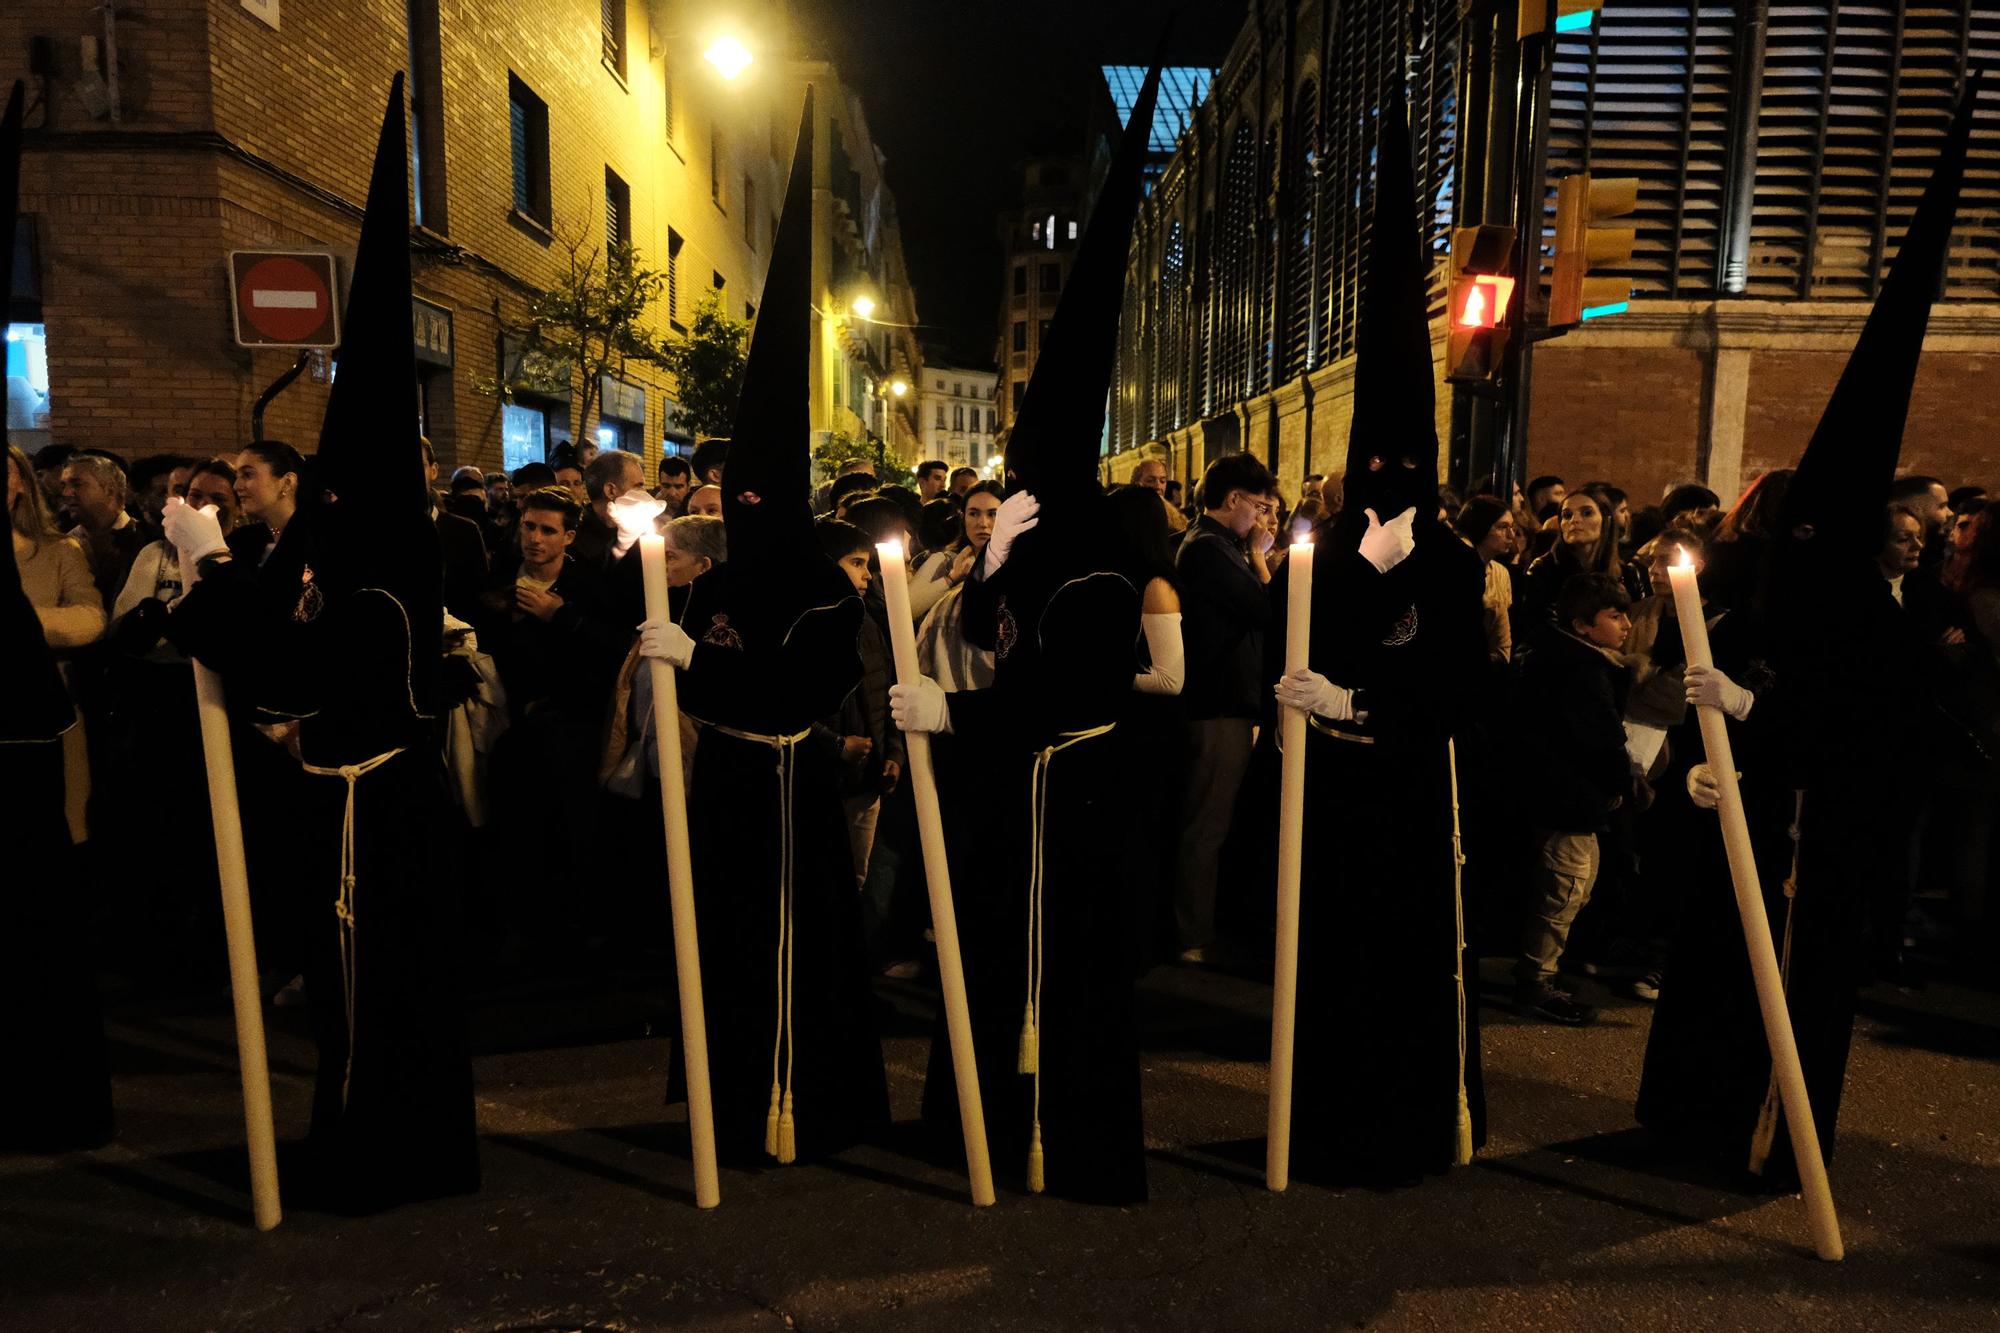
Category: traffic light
[1581,245]
[1481,290]
[1570,15]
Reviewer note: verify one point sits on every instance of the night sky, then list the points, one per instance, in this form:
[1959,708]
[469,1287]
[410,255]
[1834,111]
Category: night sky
[957,90]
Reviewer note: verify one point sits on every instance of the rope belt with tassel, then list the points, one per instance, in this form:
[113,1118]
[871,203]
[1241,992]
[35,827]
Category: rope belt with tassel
[343,906]
[780,1127]
[1462,1146]
[1029,1060]
[1767,1116]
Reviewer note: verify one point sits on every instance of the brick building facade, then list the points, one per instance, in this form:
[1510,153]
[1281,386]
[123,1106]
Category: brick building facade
[231,133]
[1765,223]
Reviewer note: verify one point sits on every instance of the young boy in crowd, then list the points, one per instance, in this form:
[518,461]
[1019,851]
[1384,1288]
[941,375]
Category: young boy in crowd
[1572,695]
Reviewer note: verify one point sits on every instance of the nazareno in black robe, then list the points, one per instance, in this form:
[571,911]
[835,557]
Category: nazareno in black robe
[1065,652]
[1846,708]
[1388,1017]
[348,673]
[775,650]
[51,1023]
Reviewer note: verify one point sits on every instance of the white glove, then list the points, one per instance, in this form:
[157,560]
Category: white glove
[1310,692]
[1708,687]
[633,514]
[1386,545]
[195,533]
[1017,515]
[666,642]
[1703,789]
[919,707]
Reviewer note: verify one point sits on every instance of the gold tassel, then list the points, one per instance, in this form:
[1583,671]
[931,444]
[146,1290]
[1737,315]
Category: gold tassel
[1028,1060]
[788,1140]
[771,1124]
[1036,1183]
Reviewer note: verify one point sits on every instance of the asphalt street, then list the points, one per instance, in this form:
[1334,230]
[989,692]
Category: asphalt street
[1568,1219]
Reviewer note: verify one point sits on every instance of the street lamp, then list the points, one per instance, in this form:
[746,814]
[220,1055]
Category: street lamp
[863,306]
[899,387]
[729,56]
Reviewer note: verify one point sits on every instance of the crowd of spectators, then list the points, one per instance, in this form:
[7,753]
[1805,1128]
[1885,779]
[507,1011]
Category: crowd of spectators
[1575,865]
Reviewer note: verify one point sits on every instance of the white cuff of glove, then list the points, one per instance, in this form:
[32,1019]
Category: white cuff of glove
[1310,692]
[920,707]
[667,642]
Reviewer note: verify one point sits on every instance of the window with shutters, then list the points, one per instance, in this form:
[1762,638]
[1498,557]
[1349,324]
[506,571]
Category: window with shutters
[1020,279]
[1234,261]
[617,214]
[674,243]
[749,211]
[715,163]
[1020,335]
[1051,278]
[613,25]
[667,97]
[1301,256]
[528,128]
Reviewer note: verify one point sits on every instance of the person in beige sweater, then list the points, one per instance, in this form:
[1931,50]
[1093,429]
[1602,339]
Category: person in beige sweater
[56,575]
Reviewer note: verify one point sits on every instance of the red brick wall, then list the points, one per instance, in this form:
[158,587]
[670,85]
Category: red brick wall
[1624,415]
[1953,430]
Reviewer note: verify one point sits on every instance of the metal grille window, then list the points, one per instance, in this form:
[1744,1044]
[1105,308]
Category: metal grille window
[1235,262]
[674,243]
[1302,275]
[1854,98]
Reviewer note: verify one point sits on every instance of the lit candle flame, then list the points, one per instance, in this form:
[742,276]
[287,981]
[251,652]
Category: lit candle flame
[891,549]
[1685,558]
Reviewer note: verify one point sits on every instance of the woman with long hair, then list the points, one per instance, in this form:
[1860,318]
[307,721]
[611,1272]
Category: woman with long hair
[1586,543]
[942,649]
[1740,546]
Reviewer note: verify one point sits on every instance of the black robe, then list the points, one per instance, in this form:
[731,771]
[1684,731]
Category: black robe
[393,1114]
[774,652]
[1065,652]
[1844,711]
[1384,1025]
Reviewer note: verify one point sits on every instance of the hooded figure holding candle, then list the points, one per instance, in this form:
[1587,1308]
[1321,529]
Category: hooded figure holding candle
[50,1019]
[769,649]
[1386,1066]
[1042,794]
[1846,702]
[343,673]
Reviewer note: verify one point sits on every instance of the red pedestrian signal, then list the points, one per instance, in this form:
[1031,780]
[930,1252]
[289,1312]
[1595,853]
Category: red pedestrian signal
[1481,290]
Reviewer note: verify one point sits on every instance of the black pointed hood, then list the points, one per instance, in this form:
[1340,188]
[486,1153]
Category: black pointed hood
[1395,382]
[1056,443]
[1842,480]
[370,452]
[33,704]
[770,453]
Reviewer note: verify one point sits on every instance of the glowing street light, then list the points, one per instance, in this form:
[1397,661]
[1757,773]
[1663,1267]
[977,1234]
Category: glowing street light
[899,387]
[863,306]
[729,56]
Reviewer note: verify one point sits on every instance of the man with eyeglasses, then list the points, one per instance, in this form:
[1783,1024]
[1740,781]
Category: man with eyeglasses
[1224,612]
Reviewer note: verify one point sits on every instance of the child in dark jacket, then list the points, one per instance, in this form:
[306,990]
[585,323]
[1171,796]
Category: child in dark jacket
[1572,691]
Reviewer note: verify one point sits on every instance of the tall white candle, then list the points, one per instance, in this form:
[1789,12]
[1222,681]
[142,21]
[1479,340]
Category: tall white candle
[937,871]
[1291,837]
[1764,969]
[252,1058]
[680,883]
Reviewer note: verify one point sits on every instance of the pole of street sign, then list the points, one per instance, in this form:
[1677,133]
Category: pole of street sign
[273,389]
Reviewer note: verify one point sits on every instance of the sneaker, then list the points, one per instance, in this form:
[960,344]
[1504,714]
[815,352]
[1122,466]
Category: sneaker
[1646,988]
[1552,1006]
[291,995]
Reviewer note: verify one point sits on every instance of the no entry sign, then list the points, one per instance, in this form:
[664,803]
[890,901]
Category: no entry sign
[284,298]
